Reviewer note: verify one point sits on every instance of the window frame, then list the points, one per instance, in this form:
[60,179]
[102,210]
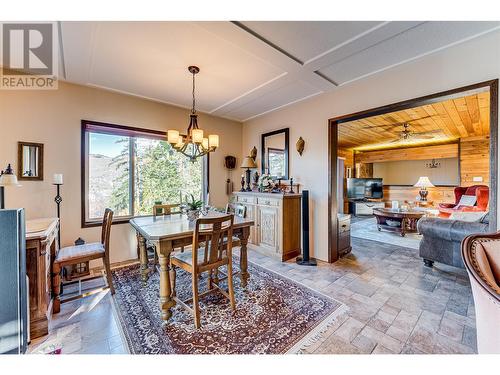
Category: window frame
[128,131]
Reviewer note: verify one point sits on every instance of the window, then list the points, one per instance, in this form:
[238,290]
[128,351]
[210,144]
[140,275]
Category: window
[130,169]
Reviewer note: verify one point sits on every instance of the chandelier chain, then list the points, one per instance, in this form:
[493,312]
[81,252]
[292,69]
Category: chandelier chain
[193,110]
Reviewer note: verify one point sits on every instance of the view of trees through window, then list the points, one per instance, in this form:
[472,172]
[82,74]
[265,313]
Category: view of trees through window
[145,170]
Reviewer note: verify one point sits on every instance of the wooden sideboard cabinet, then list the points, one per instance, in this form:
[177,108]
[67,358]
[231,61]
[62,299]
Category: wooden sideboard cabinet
[277,222]
[41,250]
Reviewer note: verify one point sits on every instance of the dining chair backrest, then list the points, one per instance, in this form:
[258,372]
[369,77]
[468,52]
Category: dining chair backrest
[165,209]
[106,228]
[216,233]
[236,209]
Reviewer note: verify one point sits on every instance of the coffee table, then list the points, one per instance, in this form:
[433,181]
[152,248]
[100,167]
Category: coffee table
[398,221]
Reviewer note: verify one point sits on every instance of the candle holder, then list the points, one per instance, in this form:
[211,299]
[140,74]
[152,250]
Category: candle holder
[242,183]
[58,200]
[291,186]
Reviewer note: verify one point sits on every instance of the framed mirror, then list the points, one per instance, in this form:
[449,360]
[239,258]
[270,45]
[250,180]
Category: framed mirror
[29,161]
[274,146]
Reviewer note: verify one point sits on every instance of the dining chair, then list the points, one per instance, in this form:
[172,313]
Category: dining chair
[213,233]
[160,210]
[72,255]
[165,209]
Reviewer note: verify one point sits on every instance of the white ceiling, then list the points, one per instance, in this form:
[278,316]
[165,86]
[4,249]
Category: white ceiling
[247,68]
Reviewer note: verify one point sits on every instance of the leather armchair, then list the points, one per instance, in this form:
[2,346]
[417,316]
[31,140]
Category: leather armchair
[481,192]
[481,255]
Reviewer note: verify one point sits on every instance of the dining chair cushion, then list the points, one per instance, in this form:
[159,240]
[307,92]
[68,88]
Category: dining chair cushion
[80,251]
[187,256]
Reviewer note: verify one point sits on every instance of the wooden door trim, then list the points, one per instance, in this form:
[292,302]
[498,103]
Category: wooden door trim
[334,123]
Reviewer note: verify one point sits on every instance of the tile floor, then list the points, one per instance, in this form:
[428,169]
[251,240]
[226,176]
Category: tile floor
[396,305]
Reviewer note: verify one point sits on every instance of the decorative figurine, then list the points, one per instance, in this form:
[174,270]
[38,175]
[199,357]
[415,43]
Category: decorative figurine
[291,186]
[300,145]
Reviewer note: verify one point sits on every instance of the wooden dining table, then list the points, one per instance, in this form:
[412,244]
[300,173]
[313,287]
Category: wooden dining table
[170,233]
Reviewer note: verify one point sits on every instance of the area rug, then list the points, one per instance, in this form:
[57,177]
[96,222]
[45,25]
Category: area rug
[274,315]
[367,229]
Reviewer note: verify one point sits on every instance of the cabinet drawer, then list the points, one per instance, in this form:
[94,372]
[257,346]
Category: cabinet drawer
[244,199]
[268,202]
[344,226]
[344,243]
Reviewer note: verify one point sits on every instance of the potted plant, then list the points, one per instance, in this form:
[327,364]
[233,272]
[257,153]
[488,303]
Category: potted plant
[193,208]
[266,183]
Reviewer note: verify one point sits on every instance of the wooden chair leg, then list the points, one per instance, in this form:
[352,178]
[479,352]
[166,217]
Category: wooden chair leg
[230,283]
[56,287]
[196,307]
[156,259]
[210,280]
[173,275]
[109,276]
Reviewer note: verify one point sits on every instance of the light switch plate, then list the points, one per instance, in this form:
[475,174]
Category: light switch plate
[477,179]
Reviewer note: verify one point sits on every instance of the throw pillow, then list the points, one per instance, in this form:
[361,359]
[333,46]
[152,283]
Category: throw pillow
[467,216]
[467,200]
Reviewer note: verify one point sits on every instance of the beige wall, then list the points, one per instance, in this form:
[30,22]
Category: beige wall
[471,62]
[53,118]
[407,172]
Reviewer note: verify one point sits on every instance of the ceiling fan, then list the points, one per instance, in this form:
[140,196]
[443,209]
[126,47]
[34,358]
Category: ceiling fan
[406,134]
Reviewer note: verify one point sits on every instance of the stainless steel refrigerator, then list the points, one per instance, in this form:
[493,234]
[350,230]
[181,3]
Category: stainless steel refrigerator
[14,314]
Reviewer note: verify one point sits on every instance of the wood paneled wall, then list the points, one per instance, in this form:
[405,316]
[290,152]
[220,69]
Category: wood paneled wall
[441,194]
[413,153]
[475,160]
[348,154]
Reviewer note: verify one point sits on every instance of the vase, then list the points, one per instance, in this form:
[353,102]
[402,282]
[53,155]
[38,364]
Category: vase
[193,214]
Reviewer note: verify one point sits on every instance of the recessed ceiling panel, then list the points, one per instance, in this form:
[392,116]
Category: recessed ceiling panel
[151,59]
[307,39]
[412,43]
[289,93]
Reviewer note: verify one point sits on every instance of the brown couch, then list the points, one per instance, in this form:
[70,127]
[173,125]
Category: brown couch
[481,255]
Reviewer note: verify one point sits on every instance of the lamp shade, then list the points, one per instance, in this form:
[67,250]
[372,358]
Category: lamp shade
[197,135]
[424,182]
[172,136]
[213,140]
[248,162]
[8,178]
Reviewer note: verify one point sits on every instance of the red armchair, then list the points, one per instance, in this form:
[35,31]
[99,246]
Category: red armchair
[481,192]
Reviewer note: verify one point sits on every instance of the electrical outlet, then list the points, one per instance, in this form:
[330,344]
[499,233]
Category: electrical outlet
[477,179]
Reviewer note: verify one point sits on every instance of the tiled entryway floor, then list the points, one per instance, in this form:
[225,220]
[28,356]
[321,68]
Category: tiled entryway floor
[396,305]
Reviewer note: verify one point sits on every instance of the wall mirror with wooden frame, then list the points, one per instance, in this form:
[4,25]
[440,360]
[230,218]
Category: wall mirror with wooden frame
[30,161]
[274,146]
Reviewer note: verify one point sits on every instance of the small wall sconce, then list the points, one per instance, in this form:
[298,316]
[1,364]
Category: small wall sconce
[253,153]
[300,145]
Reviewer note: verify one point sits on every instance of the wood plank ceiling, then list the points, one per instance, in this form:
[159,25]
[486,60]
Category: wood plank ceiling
[440,122]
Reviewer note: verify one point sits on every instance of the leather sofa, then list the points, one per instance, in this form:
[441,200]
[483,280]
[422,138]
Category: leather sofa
[481,192]
[442,239]
[481,255]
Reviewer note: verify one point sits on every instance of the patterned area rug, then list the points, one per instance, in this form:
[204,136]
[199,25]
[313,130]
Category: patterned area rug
[274,315]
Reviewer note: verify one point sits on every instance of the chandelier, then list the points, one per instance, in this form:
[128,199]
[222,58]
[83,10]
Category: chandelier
[193,144]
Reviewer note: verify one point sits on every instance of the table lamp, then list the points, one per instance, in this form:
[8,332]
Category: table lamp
[423,183]
[7,178]
[248,163]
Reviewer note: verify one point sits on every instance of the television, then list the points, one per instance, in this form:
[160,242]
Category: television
[365,188]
